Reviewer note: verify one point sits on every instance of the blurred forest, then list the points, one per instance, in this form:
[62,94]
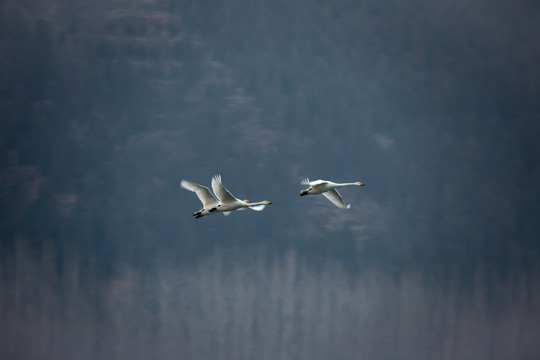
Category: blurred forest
[106,105]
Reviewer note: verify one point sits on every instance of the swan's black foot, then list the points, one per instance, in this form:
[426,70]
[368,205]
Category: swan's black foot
[213,210]
[197,216]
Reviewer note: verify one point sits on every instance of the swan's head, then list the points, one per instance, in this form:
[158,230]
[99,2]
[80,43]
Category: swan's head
[268,202]
[304,192]
[361,184]
[247,201]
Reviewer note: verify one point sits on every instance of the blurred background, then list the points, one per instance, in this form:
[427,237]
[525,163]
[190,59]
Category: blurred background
[106,105]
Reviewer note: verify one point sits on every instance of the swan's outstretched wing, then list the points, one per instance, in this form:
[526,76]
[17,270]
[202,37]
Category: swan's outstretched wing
[306,181]
[202,192]
[258,207]
[335,198]
[221,193]
[318,183]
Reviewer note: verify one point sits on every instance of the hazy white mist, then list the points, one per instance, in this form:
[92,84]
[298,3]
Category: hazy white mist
[231,307]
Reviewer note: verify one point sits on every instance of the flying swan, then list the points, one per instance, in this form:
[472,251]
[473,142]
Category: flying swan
[228,203]
[210,203]
[328,189]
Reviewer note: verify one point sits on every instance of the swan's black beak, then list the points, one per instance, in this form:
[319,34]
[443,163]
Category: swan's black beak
[304,192]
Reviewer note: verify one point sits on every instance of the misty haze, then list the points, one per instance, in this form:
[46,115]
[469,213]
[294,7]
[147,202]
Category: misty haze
[106,105]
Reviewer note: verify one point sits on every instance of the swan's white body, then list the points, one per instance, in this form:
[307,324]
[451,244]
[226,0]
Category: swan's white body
[328,189]
[228,203]
[225,202]
[208,200]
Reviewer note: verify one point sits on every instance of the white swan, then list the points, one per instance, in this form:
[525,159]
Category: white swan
[228,203]
[208,200]
[328,189]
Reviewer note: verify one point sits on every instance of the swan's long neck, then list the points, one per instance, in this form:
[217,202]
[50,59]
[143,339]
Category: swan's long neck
[258,203]
[358,183]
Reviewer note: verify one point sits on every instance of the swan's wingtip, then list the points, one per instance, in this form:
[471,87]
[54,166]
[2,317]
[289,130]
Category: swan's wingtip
[185,184]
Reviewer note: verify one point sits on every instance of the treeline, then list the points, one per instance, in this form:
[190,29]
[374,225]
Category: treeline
[106,106]
[246,306]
